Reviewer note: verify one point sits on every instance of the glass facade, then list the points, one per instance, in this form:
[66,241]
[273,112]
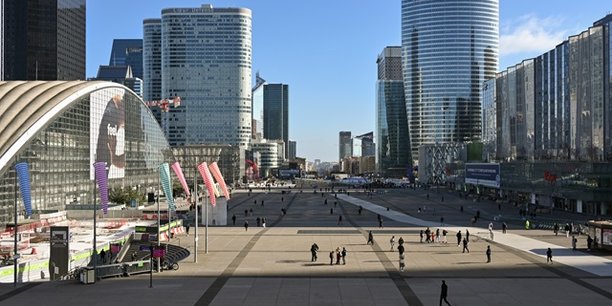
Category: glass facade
[276,113]
[515,112]
[43,40]
[257,118]
[449,49]
[393,154]
[489,115]
[152,64]
[127,52]
[206,60]
[345,147]
[109,124]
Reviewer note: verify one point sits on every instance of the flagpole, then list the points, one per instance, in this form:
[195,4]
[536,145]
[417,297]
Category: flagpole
[158,222]
[195,191]
[206,212]
[15,234]
[94,250]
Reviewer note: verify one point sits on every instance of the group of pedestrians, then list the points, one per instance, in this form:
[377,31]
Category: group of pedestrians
[431,236]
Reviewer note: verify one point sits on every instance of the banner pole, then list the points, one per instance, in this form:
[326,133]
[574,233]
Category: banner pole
[15,236]
[195,188]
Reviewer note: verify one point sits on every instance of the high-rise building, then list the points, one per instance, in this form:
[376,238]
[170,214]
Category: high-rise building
[367,144]
[449,49]
[489,118]
[206,60]
[393,154]
[42,40]
[257,107]
[151,62]
[276,113]
[292,154]
[127,52]
[345,145]
[122,75]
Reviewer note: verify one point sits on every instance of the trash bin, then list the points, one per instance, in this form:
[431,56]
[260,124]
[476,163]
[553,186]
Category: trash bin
[87,275]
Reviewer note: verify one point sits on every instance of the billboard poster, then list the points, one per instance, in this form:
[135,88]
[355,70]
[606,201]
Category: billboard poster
[483,174]
[607,236]
[107,131]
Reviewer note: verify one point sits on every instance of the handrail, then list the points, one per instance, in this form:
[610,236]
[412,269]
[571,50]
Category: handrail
[125,248]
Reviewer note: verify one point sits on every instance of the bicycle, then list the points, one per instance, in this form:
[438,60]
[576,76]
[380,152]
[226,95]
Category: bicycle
[169,265]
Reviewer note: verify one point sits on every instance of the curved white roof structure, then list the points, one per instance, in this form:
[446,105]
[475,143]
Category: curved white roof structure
[27,107]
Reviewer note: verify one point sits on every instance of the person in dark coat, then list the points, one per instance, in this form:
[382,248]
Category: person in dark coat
[488,252]
[549,256]
[246,225]
[234,219]
[444,293]
[465,246]
[343,253]
[370,238]
[314,248]
[458,238]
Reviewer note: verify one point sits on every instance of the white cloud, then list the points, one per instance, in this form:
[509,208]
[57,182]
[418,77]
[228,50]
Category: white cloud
[531,34]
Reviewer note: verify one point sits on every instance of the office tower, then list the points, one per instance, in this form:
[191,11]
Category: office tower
[489,116]
[367,144]
[206,60]
[393,155]
[122,75]
[257,118]
[151,62]
[449,49]
[127,52]
[345,145]
[292,154]
[276,113]
[42,40]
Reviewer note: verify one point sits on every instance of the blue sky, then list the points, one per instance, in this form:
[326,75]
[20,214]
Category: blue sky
[326,50]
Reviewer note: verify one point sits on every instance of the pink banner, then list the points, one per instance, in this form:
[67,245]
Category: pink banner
[176,167]
[214,169]
[208,181]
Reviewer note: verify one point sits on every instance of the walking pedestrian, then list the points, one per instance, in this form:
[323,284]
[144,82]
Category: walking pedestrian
[402,264]
[504,227]
[556,229]
[437,235]
[574,241]
[444,233]
[263,223]
[234,219]
[567,230]
[331,211]
[258,221]
[421,235]
[527,224]
[340,220]
[314,248]
[370,238]
[331,257]
[392,242]
[360,209]
[488,252]
[338,255]
[467,235]
[380,223]
[246,225]
[490,226]
[427,235]
[465,246]
[444,293]
[401,249]
[549,256]
[343,255]
[458,238]
[589,242]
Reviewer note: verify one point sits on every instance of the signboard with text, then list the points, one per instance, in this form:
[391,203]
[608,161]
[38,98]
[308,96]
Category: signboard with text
[483,174]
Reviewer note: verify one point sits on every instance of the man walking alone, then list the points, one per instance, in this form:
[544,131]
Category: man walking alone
[444,293]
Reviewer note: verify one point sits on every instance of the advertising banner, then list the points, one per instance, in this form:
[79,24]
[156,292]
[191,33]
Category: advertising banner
[107,131]
[483,174]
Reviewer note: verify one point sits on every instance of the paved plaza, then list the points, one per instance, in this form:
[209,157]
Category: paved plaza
[272,265]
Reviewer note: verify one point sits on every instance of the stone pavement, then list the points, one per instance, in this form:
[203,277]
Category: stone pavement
[271,266]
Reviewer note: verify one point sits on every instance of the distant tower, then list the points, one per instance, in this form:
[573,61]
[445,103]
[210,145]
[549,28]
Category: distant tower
[393,156]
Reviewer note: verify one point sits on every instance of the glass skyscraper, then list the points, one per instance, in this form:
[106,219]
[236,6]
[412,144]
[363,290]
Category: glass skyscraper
[276,113]
[151,62]
[393,155]
[127,52]
[449,49]
[206,60]
[42,40]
